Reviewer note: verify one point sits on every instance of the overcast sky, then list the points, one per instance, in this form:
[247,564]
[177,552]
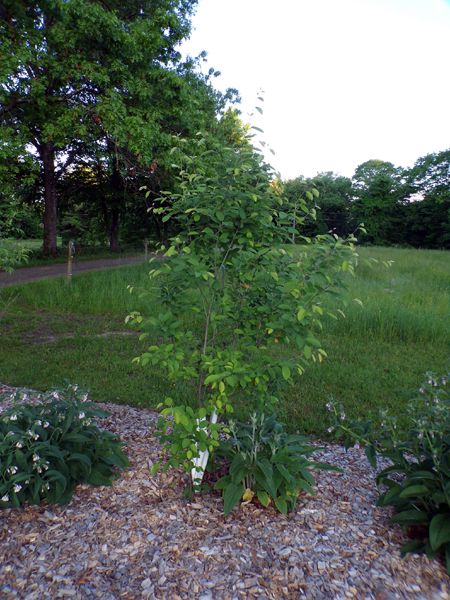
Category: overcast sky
[344,80]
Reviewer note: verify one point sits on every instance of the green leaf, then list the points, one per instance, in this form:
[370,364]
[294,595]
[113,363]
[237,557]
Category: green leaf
[80,458]
[371,456]
[284,472]
[286,372]
[414,490]
[231,496]
[410,517]
[263,497]
[439,531]
[301,313]
[281,504]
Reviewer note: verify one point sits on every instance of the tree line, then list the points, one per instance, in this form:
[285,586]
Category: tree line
[94,95]
[406,207]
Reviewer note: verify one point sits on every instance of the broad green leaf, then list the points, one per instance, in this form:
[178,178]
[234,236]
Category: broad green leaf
[412,516]
[286,372]
[231,496]
[414,490]
[263,497]
[439,531]
[281,504]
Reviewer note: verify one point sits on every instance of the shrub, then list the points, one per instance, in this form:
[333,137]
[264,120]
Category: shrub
[417,482]
[266,462]
[46,449]
[238,312]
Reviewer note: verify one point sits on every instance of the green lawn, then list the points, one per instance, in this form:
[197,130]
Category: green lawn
[54,332]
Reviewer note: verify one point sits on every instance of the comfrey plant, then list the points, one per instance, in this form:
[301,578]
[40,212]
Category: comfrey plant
[417,482]
[266,463]
[238,314]
[47,448]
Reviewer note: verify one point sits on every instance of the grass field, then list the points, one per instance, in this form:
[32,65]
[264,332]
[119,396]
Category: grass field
[54,333]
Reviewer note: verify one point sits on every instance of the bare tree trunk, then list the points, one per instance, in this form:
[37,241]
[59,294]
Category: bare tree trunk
[117,191]
[114,230]
[47,154]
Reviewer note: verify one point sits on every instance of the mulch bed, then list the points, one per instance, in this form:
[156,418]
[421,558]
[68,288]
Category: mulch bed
[142,539]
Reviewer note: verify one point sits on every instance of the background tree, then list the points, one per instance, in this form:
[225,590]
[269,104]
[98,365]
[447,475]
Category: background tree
[379,191]
[428,222]
[80,74]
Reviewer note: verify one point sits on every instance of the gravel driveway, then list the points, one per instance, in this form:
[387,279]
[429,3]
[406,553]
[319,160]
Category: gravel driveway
[27,274]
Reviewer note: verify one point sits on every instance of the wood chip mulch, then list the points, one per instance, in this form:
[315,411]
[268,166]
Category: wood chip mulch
[142,539]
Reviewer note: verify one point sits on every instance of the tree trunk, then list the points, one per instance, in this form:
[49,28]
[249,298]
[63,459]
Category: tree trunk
[117,189]
[47,154]
[114,230]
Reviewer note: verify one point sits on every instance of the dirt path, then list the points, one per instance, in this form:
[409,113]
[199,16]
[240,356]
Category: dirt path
[27,274]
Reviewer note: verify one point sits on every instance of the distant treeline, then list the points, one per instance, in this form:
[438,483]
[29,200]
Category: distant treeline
[406,207]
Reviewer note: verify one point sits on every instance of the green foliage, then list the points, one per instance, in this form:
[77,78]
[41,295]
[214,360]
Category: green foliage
[46,449]
[380,189]
[12,255]
[267,463]
[233,302]
[417,482]
[183,438]
[88,82]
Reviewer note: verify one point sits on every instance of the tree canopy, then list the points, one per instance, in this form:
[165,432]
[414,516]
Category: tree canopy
[99,81]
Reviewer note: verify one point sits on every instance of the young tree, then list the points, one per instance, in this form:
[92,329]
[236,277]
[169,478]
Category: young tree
[239,314]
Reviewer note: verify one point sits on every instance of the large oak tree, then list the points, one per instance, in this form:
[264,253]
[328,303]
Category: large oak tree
[86,77]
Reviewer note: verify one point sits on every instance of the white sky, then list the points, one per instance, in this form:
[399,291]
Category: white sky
[344,80]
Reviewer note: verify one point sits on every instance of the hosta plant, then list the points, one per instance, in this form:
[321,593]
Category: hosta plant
[417,481]
[266,463]
[47,448]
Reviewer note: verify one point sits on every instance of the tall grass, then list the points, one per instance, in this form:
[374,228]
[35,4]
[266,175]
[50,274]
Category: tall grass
[377,354]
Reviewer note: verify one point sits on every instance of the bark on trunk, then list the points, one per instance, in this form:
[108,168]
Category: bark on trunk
[117,187]
[114,230]
[47,153]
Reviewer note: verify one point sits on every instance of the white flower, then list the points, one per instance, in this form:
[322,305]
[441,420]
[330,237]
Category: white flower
[81,415]
[12,470]
[343,416]
[330,429]
[19,445]
[36,457]
[55,395]
[45,424]
[25,397]
[13,417]
[328,406]
[5,498]
[84,398]
[38,422]
[17,487]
